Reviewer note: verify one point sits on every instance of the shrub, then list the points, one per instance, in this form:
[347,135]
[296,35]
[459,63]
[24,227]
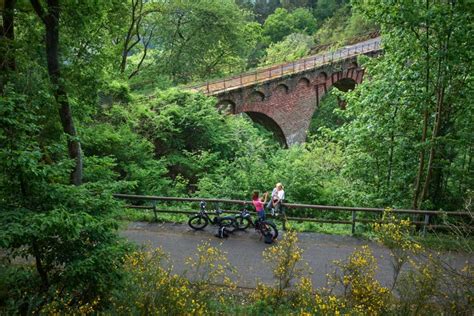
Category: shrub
[362,291]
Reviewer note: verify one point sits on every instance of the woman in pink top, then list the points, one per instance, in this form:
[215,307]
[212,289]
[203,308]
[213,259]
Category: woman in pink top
[259,204]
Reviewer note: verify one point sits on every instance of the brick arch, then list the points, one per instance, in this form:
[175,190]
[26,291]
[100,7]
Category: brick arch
[269,124]
[345,84]
[281,88]
[256,96]
[303,81]
[288,115]
[321,77]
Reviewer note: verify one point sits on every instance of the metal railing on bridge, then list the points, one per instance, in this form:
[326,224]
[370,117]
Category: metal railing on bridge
[424,224]
[264,74]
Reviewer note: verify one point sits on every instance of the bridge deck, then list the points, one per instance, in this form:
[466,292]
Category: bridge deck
[277,71]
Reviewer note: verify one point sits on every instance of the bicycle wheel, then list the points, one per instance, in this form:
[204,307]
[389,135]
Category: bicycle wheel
[269,228]
[229,223]
[242,223]
[198,222]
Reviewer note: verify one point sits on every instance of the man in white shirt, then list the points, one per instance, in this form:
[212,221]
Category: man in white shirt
[277,198]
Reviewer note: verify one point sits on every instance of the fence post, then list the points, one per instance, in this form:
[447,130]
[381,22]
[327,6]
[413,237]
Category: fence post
[255,75]
[353,222]
[304,64]
[283,212]
[281,70]
[224,84]
[425,223]
[154,211]
[241,79]
[208,87]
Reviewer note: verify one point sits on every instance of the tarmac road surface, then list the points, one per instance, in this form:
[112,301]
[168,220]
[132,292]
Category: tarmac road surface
[244,251]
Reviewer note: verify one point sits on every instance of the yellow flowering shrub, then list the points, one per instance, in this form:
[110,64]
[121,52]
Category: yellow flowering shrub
[63,306]
[416,289]
[362,292]
[210,273]
[395,234]
[284,258]
[152,289]
[436,288]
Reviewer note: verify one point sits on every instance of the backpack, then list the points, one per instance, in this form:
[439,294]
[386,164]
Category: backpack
[268,238]
[222,232]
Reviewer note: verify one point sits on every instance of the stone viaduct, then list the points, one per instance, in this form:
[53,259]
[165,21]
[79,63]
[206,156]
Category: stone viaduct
[283,98]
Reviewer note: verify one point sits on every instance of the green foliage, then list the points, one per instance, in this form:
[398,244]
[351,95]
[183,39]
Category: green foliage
[393,108]
[169,142]
[196,39]
[282,23]
[328,116]
[293,47]
[345,26]
[326,8]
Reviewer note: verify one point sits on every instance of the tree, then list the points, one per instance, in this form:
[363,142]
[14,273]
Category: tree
[7,36]
[139,32]
[50,19]
[423,104]
[293,47]
[198,39]
[282,23]
[326,8]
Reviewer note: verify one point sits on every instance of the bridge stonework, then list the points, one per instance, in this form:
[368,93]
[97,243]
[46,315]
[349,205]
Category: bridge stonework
[286,104]
[284,97]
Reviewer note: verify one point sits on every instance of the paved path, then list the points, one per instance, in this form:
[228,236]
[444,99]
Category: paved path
[244,250]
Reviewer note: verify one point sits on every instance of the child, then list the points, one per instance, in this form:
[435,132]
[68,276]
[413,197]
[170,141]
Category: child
[259,204]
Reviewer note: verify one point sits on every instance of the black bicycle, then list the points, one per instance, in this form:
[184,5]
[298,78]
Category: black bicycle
[200,220]
[265,228]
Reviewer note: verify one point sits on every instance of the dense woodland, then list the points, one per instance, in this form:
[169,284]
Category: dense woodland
[91,104]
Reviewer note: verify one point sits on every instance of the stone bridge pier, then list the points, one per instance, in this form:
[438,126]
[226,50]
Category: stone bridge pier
[286,105]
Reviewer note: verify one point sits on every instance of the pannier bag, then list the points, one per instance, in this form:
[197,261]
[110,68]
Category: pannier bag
[222,232]
[268,238]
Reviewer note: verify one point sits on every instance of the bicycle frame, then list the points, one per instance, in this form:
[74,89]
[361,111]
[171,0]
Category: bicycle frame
[203,212]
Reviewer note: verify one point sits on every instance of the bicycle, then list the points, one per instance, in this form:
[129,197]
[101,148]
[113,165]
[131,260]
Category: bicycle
[200,220]
[244,220]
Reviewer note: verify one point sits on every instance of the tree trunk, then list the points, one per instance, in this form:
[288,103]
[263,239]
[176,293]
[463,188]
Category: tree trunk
[440,94]
[51,21]
[392,145]
[7,36]
[421,165]
[40,268]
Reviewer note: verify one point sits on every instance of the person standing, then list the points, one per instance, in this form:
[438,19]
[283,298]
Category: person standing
[259,204]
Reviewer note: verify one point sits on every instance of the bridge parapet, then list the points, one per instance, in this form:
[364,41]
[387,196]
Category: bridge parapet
[262,75]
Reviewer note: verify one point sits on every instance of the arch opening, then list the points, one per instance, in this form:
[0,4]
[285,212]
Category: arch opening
[303,81]
[322,77]
[345,84]
[328,113]
[269,124]
[281,88]
[256,96]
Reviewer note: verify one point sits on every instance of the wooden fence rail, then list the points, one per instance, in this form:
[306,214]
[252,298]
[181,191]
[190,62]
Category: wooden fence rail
[425,224]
